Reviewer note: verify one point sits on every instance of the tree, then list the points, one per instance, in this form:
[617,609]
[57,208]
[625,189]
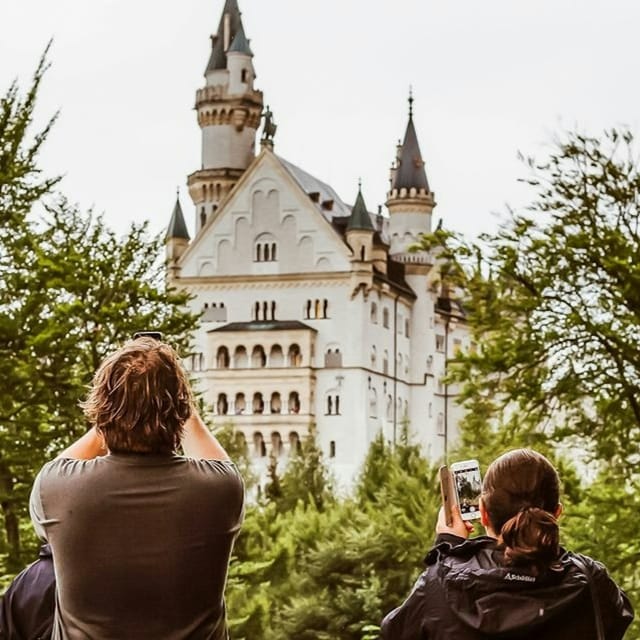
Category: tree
[553,298]
[70,292]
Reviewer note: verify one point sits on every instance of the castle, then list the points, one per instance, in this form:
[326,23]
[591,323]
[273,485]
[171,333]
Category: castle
[314,312]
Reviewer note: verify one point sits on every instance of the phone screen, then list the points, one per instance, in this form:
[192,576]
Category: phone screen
[468,485]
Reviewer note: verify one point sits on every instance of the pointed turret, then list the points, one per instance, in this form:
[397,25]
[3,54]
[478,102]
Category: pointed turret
[240,43]
[176,240]
[409,170]
[230,22]
[360,218]
[410,200]
[177,226]
[229,110]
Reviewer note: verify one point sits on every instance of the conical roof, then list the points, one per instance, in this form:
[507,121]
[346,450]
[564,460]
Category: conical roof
[240,43]
[410,171]
[218,58]
[177,226]
[359,218]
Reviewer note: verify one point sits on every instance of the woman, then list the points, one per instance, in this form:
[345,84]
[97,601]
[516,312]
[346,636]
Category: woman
[515,582]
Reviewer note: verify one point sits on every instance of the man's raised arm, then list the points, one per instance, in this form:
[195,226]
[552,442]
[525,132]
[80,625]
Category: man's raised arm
[199,442]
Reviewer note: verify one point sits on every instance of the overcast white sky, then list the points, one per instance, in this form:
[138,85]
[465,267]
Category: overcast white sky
[490,78]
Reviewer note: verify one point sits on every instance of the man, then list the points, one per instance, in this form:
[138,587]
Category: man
[141,537]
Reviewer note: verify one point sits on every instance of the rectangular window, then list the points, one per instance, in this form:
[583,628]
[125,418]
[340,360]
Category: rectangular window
[406,327]
[439,343]
[457,346]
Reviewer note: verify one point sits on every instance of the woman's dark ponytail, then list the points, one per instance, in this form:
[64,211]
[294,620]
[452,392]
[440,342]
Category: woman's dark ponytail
[520,493]
[531,537]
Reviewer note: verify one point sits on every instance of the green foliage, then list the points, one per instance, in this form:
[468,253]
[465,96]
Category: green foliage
[333,569]
[71,291]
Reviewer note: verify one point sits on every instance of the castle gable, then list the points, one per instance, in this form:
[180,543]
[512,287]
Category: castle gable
[268,225]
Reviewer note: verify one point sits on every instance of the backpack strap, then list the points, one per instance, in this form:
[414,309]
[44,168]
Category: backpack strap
[597,614]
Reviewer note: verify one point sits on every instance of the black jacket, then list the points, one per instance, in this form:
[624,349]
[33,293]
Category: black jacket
[467,593]
[29,603]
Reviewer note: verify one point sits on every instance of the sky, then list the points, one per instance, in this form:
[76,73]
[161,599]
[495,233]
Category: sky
[490,79]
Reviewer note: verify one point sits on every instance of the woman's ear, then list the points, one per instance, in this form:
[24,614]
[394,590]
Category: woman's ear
[484,517]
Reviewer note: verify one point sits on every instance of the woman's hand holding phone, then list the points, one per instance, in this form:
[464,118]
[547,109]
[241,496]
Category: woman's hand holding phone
[458,527]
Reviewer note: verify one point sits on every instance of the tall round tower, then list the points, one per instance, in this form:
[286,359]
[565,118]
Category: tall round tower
[229,110]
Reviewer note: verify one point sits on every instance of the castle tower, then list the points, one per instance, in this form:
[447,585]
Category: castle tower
[410,200]
[229,110]
[176,240]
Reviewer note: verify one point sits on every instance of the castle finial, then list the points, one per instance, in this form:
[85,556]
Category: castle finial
[178,192]
[359,184]
[410,101]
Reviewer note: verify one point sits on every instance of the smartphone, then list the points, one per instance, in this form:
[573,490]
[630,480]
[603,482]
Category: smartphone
[467,485]
[446,491]
[156,335]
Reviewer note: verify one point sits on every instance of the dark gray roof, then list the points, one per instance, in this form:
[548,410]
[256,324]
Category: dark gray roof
[410,172]
[218,58]
[177,226]
[271,325]
[360,218]
[240,43]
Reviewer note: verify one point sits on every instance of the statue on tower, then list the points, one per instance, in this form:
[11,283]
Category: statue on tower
[270,128]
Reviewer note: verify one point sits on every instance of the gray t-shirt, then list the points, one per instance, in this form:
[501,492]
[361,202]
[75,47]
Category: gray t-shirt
[141,544]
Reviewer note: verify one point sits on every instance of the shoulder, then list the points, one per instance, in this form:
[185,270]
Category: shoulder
[221,473]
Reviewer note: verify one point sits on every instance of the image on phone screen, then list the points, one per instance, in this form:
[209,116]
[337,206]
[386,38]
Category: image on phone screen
[468,485]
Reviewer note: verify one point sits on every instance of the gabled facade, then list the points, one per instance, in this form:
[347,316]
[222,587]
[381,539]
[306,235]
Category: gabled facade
[314,312]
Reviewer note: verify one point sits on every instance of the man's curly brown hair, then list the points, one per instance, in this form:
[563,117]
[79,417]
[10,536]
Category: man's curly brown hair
[140,398]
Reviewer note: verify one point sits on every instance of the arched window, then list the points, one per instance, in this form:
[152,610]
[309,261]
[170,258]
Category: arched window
[362,254]
[201,361]
[406,327]
[273,252]
[258,253]
[276,357]
[332,449]
[385,318]
[240,359]
[373,403]
[307,310]
[294,356]
[276,444]
[267,252]
[222,358]
[240,404]
[374,357]
[329,405]
[258,357]
[243,76]
[337,404]
[258,403]
[325,308]
[276,403]
[429,363]
[256,311]
[265,310]
[389,407]
[385,363]
[430,410]
[294,402]
[203,218]
[317,309]
[273,309]
[222,406]
[295,446]
[259,448]
[374,313]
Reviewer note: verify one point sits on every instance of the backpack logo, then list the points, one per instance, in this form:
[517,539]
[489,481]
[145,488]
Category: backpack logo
[519,577]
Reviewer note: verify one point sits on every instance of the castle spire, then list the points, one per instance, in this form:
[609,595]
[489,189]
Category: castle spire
[177,226]
[359,218]
[230,23]
[410,172]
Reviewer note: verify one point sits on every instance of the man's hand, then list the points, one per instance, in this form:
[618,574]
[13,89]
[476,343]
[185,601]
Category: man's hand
[459,527]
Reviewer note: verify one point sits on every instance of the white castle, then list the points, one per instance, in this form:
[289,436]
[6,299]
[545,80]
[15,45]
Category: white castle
[314,312]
